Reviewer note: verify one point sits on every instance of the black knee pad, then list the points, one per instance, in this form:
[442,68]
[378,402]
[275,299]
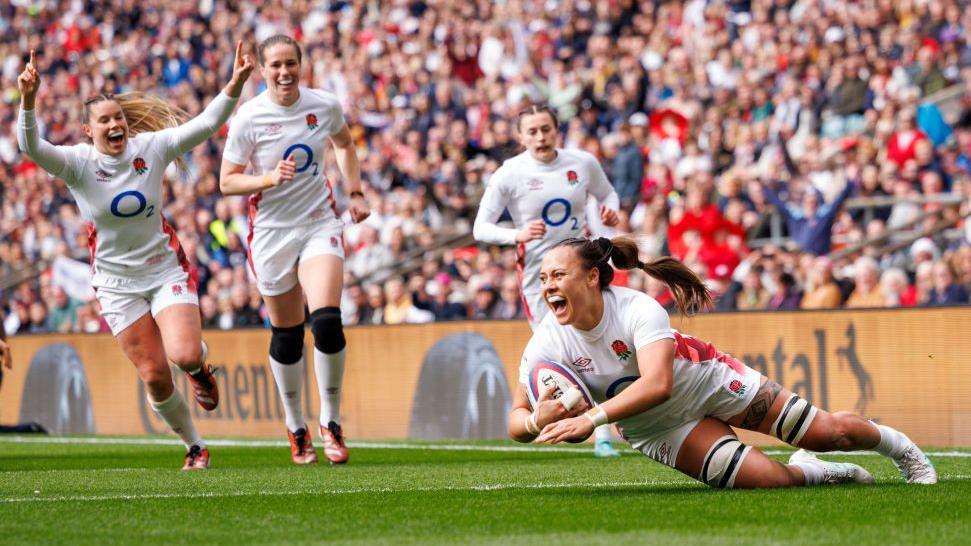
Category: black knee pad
[286,344]
[328,331]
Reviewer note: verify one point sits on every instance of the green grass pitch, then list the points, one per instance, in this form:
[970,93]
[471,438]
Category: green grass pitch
[128,491]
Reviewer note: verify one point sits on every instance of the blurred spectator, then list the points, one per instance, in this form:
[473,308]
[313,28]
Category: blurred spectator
[509,306]
[821,292]
[946,291]
[867,291]
[63,312]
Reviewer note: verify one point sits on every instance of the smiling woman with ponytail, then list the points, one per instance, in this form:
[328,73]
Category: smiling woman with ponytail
[675,397]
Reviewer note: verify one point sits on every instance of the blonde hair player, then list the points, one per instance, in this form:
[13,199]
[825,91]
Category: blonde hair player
[140,273]
[545,189]
[296,245]
[674,396]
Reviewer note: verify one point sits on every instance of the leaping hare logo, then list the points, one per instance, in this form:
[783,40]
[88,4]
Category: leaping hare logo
[847,355]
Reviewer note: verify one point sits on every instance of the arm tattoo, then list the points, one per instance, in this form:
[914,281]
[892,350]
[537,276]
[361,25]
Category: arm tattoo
[760,406]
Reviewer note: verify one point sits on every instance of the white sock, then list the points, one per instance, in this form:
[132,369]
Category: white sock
[330,375]
[892,441]
[175,412]
[289,381]
[812,470]
[603,434]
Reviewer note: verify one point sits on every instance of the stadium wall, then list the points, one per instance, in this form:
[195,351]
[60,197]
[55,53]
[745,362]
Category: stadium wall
[908,368]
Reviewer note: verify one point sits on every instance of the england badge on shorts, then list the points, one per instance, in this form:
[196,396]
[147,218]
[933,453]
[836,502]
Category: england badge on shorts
[176,289]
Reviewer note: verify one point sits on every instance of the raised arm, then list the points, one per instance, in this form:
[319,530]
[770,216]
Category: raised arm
[51,158]
[192,133]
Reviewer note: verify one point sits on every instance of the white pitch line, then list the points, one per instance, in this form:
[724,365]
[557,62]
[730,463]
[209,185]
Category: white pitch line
[361,490]
[387,445]
[349,491]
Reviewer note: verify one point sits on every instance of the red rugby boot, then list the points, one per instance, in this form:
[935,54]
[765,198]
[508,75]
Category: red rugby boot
[334,447]
[301,448]
[196,459]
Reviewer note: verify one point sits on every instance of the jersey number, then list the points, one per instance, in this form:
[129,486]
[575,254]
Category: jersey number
[121,205]
[309,160]
[560,220]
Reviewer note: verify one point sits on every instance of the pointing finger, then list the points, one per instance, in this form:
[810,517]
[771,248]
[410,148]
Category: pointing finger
[239,50]
[32,58]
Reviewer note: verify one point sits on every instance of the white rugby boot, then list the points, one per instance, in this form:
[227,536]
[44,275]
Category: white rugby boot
[915,466]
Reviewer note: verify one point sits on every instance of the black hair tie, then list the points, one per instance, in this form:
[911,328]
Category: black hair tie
[606,247]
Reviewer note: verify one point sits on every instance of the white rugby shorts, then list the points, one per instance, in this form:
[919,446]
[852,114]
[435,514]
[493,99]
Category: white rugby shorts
[122,304]
[275,252]
[719,392]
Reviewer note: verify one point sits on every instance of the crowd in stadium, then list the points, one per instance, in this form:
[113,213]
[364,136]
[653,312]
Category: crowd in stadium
[706,115]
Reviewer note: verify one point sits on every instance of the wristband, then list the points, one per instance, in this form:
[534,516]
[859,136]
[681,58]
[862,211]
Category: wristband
[570,398]
[357,194]
[531,426]
[597,416]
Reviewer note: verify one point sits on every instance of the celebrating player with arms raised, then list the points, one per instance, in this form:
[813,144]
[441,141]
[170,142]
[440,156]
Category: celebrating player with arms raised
[296,240]
[674,396]
[140,273]
[545,190]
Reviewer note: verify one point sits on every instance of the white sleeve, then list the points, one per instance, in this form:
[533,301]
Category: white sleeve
[336,120]
[56,160]
[649,322]
[600,187]
[190,134]
[494,201]
[534,352]
[239,143]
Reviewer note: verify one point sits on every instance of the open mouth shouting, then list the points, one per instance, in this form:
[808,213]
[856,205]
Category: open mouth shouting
[558,304]
[116,138]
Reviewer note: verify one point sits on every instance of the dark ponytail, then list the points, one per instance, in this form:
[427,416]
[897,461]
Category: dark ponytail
[690,293]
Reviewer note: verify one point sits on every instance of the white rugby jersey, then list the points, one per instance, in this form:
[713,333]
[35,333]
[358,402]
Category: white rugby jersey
[120,197]
[263,132]
[555,192]
[605,358]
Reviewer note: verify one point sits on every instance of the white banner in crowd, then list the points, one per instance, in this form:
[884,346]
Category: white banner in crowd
[74,277]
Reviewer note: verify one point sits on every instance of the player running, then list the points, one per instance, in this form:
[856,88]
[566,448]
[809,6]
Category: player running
[139,271]
[296,245]
[545,190]
[674,396]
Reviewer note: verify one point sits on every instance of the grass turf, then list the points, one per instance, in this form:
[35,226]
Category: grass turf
[77,493]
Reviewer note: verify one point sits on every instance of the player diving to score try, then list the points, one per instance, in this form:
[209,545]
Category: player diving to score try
[673,396]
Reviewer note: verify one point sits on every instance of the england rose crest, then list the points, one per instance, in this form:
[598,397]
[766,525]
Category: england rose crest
[621,349]
[572,178]
[311,121]
[139,165]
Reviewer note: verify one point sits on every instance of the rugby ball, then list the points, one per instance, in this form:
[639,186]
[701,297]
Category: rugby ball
[545,373]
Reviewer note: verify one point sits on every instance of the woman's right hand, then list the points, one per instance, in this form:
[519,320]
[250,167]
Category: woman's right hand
[28,82]
[284,171]
[535,229]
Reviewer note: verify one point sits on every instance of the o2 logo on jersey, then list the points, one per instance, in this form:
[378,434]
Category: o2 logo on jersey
[557,211]
[131,203]
[303,156]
